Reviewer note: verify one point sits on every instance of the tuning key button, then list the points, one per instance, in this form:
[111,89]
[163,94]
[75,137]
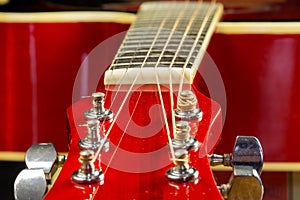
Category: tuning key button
[30,184]
[248,151]
[245,183]
[98,111]
[87,174]
[187,107]
[42,156]
[247,162]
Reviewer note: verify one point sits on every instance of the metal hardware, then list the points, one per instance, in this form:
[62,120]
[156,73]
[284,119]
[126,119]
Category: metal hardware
[93,139]
[186,107]
[30,184]
[42,156]
[182,172]
[87,173]
[42,162]
[98,111]
[245,183]
[247,163]
[248,152]
[182,138]
[216,160]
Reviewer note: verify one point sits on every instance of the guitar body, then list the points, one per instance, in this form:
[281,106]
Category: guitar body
[38,85]
[137,170]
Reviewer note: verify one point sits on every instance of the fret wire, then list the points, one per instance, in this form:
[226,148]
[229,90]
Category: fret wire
[203,25]
[134,43]
[184,35]
[118,112]
[142,56]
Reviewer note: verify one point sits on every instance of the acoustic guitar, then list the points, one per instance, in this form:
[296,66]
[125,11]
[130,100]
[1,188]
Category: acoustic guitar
[147,132]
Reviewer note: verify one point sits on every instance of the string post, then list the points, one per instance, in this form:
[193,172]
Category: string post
[182,171]
[93,140]
[99,111]
[182,138]
[216,160]
[187,107]
[87,174]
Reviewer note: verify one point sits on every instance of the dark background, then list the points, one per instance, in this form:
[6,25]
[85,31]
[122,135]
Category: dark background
[8,174]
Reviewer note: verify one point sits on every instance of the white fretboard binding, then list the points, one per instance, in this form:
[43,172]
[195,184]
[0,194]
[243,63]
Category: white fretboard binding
[149,38]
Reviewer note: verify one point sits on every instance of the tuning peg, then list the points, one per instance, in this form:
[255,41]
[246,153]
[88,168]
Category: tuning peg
[187,107]
[247,162]
[30,184]
[248,152]
[216,160]
[42,162]
[182,138]
[98,111]
[43,156]
[93,139]
[87,173]
[182,171]
[245,183]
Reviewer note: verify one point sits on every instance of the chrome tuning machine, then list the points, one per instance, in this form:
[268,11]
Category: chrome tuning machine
[98,111]
[182,171]
[93,141]
[247,163]
[87,174]
[187,107]
[182,138]
[42,162]
[183,142]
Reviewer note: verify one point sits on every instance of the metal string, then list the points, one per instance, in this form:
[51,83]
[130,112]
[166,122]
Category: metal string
[170,85]
[128,92]
[204,23]
[123,134]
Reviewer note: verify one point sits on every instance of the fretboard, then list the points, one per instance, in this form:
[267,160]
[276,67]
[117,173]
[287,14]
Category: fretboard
[168,40]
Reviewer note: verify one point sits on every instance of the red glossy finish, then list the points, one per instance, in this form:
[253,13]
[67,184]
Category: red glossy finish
[138,167]
[262,80]
[39,63]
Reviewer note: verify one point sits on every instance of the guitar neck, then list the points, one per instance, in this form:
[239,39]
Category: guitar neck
[168,40]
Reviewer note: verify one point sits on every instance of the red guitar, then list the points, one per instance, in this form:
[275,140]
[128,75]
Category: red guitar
[148,133]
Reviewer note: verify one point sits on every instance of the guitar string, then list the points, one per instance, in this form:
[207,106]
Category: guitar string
[127,94]
[106,135]
[167,128]
[126,129]
[191,20]
[171,86]
[185,34]
[122,79]
[123,134]
[203,25]
[179,17]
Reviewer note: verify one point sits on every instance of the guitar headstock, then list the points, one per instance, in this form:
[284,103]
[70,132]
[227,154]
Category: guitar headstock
[137,165]
[139,145]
